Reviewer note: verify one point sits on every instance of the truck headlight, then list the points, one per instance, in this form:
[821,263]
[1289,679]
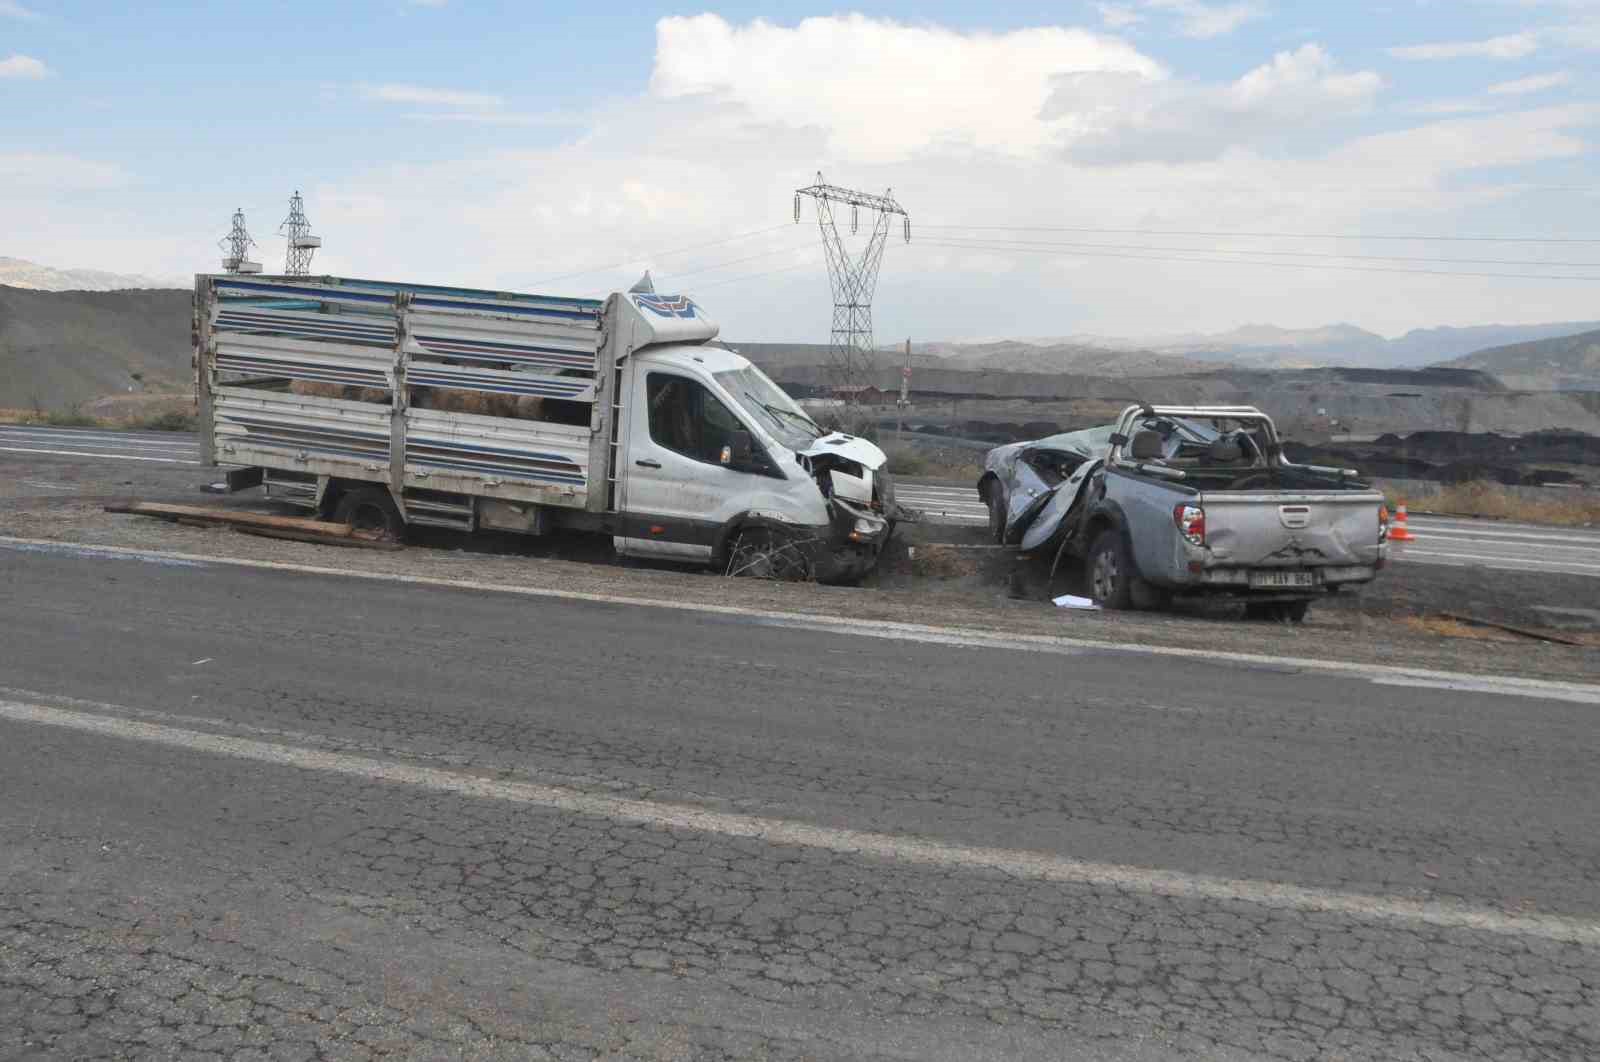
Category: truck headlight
[867,527]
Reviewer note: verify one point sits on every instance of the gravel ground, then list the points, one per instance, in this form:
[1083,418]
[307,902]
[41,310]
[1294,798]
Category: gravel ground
[921,581]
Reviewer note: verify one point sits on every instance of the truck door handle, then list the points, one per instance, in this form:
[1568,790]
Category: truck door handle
[648,464]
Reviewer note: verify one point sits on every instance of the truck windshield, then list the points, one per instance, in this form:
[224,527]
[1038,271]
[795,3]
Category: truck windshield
[765,401]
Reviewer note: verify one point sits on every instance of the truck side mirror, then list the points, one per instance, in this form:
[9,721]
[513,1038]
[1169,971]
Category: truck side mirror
[739,449]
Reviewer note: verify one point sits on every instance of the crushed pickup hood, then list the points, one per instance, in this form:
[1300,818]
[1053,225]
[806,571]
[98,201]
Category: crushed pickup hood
[849,447]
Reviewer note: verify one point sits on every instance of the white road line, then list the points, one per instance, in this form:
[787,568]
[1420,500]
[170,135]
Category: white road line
[967,637]
[896,848]
[174,440]
[82,453]
[1574,542]
[1500,560]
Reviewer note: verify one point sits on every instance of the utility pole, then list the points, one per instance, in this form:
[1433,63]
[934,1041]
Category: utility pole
[853,278]
[300,244]
[236,247]
[904,401]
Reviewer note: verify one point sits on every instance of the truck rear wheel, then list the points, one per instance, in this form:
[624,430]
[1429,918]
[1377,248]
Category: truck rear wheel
[370,511]
[1110,571]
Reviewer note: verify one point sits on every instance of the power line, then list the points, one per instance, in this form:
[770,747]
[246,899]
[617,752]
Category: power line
[716,265]
[1236,262]
[1268,235]
[1292,254]
[658,254]
[752,276]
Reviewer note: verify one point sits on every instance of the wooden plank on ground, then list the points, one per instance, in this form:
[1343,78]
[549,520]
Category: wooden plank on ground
[234,518]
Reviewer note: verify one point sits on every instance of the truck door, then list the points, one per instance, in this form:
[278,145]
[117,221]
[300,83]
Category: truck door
[676,494]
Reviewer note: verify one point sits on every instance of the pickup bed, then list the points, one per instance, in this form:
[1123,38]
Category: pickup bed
[1188,500]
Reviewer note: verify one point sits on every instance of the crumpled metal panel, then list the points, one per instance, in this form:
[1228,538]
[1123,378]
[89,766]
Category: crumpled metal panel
[1061,503]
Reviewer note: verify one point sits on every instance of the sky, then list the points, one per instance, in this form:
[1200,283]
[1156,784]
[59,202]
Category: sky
[1130,168]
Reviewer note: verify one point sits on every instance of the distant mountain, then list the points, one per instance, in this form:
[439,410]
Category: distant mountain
[1565,363]
[1015,356]
[1271,347]
[20,273]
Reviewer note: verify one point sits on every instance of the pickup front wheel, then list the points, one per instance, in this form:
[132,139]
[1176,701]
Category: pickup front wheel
[1110,571]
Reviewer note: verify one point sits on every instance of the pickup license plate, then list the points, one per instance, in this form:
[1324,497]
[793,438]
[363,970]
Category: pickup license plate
[1287,577]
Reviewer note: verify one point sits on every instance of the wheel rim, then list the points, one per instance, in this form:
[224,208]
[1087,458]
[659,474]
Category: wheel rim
[1105,575]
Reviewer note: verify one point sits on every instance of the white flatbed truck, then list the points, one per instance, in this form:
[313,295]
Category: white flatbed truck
[393,405]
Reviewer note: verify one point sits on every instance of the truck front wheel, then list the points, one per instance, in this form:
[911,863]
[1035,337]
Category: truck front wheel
[1110,571]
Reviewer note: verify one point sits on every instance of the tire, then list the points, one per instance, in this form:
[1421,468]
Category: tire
[1108,570]
[994,497]
[1278,611]
[762,553]
[370,511]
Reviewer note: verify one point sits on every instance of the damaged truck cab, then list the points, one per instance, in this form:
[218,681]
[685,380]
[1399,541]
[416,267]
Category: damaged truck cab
[725,468]
[392,405]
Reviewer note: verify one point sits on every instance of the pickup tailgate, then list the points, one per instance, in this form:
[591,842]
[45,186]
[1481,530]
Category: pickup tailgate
[1259,529]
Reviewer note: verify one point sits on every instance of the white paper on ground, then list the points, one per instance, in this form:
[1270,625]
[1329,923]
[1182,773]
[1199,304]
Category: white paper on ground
[1068,601]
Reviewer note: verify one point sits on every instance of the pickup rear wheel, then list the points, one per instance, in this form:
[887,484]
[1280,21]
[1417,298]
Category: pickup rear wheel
[1110,571]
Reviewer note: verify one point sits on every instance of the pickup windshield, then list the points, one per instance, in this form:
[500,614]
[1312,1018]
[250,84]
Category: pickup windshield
[766,402]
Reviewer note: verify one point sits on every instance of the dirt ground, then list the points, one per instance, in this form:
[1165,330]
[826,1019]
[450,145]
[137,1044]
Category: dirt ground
[931,574]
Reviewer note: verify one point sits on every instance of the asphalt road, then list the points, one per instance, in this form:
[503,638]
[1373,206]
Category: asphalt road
[298,816]
[1439,540]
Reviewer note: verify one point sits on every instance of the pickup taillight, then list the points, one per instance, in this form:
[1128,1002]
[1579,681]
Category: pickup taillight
[1191,521]
[1383,523]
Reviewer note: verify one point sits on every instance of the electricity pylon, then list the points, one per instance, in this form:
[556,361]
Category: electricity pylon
[852,277]
[301,245]
[236,247]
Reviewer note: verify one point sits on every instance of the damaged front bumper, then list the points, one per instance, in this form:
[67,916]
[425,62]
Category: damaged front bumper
[854,539]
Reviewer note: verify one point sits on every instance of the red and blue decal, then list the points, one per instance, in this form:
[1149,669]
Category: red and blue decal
[667,305]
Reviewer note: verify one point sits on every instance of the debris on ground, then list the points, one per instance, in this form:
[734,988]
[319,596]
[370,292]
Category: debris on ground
[295,528]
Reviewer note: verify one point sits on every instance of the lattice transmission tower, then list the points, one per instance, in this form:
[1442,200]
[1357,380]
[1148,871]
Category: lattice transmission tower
[300,244]
[853,277]
[236,247]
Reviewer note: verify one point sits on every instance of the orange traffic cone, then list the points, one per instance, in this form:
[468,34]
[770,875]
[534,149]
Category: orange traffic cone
[1398,531]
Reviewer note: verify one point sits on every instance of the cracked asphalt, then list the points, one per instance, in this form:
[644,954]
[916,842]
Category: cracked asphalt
[164,897]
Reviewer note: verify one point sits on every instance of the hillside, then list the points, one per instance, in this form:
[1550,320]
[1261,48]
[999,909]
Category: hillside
[58,349]
[1565,363]
[1011,356]
[1266,346]
[21,273]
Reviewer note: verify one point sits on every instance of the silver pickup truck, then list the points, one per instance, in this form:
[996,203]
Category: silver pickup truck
[1188,500]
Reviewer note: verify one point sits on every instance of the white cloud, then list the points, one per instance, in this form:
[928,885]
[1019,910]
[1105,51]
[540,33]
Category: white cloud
[1449,107]
[1526,85]
[12,9]
[1118,16]
[879,89]
[1204,21]
[33,170]
[429,97]
[1123,118]
[22,66]
[1510,46]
